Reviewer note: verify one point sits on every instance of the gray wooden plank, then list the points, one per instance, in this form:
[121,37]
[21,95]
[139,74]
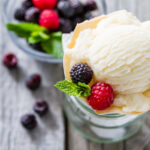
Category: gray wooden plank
[75,140]
[16,100]
[115,146]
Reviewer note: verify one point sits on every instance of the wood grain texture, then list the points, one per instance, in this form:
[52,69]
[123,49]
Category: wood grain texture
[16,100]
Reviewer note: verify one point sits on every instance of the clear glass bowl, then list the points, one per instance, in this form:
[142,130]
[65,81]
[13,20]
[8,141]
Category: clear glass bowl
[108,128]
[9,7]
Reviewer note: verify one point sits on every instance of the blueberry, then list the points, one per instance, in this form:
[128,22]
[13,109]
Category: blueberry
[87,16]
[29,121]
[33,82]
[37,46]
[65,9]
[65,25]
[32,15]
[41,107]
[81,72]
[20,14]
[78,6]
[77,20]
[10,60]
[27,4]
[90,5]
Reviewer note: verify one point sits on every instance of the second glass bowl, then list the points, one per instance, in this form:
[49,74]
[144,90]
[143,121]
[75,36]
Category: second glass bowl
[9,7]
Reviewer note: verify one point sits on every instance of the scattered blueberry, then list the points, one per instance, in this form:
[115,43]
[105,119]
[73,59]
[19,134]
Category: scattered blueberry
[65,9]
[90,5]
[81,72]
[20,14]
[33,82]
[27,4]
[10,60]
[41,107]
[32,15]
[65,25]
[29,121]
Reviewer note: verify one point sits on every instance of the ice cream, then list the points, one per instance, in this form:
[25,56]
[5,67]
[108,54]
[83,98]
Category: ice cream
[117,48]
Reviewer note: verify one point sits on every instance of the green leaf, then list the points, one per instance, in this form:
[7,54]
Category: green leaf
[53,46]
[70,88]
[37,37]
[25,29]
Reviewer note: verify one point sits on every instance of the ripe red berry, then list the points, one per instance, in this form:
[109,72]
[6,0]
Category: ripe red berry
[49,19]
[45,4]
[10,60]
[102,96]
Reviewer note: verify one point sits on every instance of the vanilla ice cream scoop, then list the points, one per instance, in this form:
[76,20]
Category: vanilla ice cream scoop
[117,48]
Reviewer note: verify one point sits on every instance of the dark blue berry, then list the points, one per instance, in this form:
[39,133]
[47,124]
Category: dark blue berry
[77,20]
[90,5]
[87,16]
[41,107]
[27,4]
[33,82]
[65,9]
[81,72]
[78,6]
[32,15]
[20,14]
[29,121]
[65,25]
[10,60]
[37,46]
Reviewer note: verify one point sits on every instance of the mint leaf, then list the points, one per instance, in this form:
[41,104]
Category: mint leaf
[53,46]
[25,29]
[37,37]
[70,88]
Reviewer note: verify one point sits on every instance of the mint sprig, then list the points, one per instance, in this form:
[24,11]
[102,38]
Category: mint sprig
[73,89]
[51,43]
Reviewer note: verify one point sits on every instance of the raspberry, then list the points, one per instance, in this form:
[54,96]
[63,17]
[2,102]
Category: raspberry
[29,121]
[10,60]
[81,73]
[49,19]
[45,4]
[41,107]
[102,96]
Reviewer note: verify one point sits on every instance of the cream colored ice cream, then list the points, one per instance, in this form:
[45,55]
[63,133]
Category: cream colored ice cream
[117,48]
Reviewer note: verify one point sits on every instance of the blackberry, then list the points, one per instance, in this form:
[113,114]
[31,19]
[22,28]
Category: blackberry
[29,121]
[41,107]
[20,14]
[32,15]
[81,72]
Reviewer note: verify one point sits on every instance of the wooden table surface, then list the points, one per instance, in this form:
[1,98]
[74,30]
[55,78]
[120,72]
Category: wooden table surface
[54,132]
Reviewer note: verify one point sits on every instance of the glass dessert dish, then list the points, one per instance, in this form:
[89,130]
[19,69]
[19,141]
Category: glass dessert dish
[9,7]
[107,128]
[110,127]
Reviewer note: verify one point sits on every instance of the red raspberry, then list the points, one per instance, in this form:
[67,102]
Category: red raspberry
[102,96]
[49,19]
[45,4]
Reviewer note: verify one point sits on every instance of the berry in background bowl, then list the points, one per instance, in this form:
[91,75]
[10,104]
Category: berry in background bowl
[42,23]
